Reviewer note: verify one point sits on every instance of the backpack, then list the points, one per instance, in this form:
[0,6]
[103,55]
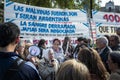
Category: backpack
[14,68]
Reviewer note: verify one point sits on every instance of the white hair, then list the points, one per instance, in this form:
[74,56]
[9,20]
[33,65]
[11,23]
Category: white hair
[20,43]
[29,41]
[103,40]
[47,52]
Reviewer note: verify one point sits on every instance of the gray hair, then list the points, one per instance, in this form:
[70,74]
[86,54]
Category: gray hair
[103,40]
[21,43]
[47,52]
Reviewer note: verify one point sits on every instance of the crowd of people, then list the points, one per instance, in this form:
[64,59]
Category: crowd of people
[61,61]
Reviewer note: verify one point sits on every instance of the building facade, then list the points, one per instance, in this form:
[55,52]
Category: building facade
[110,7]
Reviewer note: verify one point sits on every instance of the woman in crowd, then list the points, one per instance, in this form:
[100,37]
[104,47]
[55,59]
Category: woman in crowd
[48,66]
[20,49]
[73,70]
[58,51]
[114,65]
[42,46]
[28,56]
[67,48]
[92,60]
[26,51]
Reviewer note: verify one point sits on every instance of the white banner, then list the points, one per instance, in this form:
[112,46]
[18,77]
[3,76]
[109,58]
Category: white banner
[37,22]
[108,18]
[106,22]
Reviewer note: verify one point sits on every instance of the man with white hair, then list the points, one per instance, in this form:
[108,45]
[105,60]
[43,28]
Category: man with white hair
[103,50]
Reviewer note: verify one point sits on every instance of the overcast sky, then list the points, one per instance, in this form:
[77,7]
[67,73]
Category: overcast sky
[116,2]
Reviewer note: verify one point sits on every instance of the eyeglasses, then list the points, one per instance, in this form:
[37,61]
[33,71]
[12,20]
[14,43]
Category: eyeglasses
[56,44]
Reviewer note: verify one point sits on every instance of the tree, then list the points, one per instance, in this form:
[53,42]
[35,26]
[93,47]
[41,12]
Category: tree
[41,3]
[66,4]
[85,4]
[62,4]
[1,11]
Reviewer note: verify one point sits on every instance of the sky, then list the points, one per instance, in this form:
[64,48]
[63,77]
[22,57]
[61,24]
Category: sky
[103,2]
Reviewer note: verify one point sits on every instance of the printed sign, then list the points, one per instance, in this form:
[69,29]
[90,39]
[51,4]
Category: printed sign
[38,22]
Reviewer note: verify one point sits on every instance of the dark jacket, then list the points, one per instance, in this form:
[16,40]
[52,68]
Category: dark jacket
[116,48]
[26,72]
[104,57]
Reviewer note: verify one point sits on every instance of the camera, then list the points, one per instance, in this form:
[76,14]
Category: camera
[52,60]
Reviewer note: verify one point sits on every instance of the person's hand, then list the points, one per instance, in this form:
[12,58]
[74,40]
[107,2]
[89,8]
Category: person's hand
[52,62]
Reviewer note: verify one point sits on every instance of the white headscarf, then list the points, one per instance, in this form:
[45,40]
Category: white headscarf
[46,54]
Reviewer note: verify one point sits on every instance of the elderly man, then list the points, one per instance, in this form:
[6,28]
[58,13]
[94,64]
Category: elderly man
[114,42]
[103,50]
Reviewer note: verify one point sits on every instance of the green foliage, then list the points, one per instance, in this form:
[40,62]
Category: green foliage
[85,4]
[20,1]
[41,3]
[62,4]
[66,4]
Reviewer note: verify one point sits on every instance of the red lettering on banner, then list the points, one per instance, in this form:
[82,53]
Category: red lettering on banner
[105,17]
[111,18]
[117,18]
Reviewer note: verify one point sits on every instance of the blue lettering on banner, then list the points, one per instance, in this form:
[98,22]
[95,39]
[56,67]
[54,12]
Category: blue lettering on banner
[27,16]
[58,13]
[18,8]
[63,13]
[37,24]
[43,30]
[23,23]
[65,26]
[16,15]
[53,19]
[72,13]
[62,31]
[37,11]
[28,29]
